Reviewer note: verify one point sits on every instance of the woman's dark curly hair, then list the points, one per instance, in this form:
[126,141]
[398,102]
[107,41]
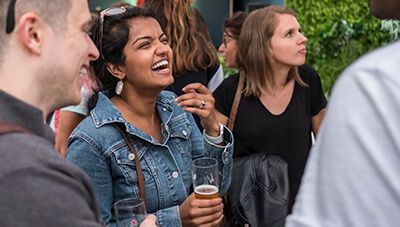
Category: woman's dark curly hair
[115,36]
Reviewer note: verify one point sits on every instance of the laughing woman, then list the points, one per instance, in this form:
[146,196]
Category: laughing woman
[134,69]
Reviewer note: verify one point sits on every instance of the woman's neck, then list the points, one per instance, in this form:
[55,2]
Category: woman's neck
[280,79]
[130,103]
[140,111]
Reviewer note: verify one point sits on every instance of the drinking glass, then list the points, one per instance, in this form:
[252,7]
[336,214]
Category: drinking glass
[130,212]
[205,178]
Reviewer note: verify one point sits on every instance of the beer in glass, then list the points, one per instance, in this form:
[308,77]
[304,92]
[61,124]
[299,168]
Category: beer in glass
[205,178]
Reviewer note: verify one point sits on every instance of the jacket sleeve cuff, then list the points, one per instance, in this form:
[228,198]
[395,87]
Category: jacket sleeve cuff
[224,156]
[169,216]
[216,149]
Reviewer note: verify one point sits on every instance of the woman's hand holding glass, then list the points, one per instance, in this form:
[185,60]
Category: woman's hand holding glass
[204,206]
[205,212]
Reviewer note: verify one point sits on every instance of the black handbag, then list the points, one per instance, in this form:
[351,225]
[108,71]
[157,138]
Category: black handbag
[259,193]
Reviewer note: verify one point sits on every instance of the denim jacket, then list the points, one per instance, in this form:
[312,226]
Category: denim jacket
[99,149]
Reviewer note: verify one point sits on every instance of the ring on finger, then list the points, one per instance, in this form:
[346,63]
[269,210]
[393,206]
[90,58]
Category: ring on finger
[202,104]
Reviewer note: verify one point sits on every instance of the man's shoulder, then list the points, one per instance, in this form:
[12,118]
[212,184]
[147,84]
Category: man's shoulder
[383,61]
[33,176]
[16,144]
[22,151]
[375,73]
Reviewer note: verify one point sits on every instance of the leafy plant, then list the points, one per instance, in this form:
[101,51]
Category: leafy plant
[339,32]
[227,71]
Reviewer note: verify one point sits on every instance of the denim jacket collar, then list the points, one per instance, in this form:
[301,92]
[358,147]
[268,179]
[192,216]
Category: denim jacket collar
[106,112]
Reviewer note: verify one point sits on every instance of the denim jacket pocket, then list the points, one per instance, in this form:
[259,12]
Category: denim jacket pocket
[180,131]
[126,164]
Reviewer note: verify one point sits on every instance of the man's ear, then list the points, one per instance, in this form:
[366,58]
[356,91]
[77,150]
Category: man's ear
[30,28]
[116,70]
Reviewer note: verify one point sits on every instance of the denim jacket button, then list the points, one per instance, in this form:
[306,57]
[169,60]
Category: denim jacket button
[225,156]
[175,174]
[164,109]
[184,132]
[131,157]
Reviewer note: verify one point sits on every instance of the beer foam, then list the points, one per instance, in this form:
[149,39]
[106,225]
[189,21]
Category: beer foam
[206,189]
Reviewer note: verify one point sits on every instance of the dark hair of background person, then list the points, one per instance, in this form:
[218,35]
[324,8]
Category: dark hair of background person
[115,36]
[254,56]
[234,24]
[192,50]
[53,12]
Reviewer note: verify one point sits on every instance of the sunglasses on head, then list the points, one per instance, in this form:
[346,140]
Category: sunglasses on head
[113,11]
[10,23]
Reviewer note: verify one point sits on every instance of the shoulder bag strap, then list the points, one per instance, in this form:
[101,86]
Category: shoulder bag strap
[139,172]
[9,128]
[235,104]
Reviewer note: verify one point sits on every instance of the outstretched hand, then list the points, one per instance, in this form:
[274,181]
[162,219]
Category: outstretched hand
[199,100]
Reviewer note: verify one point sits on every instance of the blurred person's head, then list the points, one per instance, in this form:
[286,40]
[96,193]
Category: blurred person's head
[192,50]
[270,41]
[385,9]
[229,46]
[50,38]
[133,49]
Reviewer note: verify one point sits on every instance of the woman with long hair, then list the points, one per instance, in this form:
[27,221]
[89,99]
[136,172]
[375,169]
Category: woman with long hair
[134,68]
[282,101]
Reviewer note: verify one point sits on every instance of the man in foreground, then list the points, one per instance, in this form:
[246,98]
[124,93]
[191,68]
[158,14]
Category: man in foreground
[44,47]
[352,176]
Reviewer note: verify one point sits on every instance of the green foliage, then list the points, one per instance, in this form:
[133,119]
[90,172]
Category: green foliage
[227,71]
[338,32]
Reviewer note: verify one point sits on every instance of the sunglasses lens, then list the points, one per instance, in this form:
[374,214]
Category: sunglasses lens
[114,11]
[107,12]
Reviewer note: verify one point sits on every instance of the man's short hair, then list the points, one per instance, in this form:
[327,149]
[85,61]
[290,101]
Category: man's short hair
[53,12]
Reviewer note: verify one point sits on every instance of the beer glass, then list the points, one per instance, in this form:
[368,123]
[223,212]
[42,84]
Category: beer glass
[130,212]
[205,178]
